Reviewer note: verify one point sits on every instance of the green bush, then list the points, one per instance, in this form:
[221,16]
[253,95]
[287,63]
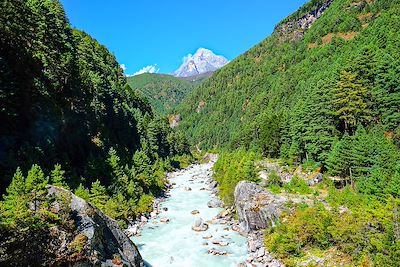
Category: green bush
[364,230]
[297,185]
[231,168]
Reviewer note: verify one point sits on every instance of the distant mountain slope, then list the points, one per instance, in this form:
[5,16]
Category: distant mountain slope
[284,95]
[203,61]
[163,91]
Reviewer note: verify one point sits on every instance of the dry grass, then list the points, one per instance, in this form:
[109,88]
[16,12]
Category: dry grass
[347,35]
[312,45]
[365,17]
[327,39]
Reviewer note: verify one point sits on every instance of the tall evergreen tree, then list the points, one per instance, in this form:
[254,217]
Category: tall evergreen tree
[17,186]
[387,91]
[350,101]
[98,195]
[35,185]
[57,177]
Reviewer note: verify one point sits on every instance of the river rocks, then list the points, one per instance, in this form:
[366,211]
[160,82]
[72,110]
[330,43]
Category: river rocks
[256,207]
[258,255]
[134,230]
[215,203]
[255,241]
[216,252]
[188,189]
[199,225]
[195,212]
[219,242]
[208,236]
[100,236]
[164,220]
[143,219]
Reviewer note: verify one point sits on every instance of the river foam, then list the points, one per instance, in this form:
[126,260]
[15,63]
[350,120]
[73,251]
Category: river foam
[175,243]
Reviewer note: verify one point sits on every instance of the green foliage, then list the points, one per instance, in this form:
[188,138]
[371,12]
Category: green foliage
[57,177]
[67,103]
[26,206]
[274,179]
[368,157]
[364,230]
[98,195]
[350,101]
[164,92]
[297,185]
[230,169]
[82,192]
[17,185]
[295,99]
[145,204]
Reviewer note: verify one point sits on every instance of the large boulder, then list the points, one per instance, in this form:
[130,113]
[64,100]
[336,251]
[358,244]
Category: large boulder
[199,225]
[257,208]
[104,240]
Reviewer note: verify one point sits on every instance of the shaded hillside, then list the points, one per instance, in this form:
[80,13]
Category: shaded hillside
[68,116]
[164,92]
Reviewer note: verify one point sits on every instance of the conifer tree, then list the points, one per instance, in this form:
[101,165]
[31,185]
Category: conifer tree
[82,192]
[35,185]
[98,195]
[17,186]
[387,91]
[15,204]
[337,162]
[57,177]
[350,101]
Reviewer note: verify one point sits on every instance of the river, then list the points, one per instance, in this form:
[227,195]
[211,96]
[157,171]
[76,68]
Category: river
[175,243]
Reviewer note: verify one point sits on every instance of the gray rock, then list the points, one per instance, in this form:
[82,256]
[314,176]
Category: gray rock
[104,236]
[275,263]
[294,30]
[215,203]
[256,207]
[261,252]
[316,180]
[199,225]
[213,184]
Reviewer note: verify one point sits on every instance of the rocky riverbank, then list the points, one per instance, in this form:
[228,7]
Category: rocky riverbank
[191,221]
[256,209]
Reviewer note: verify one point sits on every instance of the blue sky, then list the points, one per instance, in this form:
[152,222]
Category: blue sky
[161,32]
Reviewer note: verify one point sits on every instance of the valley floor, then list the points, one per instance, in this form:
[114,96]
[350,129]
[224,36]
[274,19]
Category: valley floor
[169,240]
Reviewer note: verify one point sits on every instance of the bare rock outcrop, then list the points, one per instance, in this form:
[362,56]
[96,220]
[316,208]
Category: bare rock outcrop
[104,241]
[294,30]
[257,208]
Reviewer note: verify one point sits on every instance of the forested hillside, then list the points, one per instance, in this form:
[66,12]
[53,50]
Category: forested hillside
[321,94]
[307,93]
[69,118]
[164,92]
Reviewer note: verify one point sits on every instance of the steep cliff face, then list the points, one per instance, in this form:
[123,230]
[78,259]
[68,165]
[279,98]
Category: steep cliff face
[294,29]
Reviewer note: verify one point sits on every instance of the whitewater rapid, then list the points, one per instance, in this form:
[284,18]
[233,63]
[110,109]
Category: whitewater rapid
[175,243]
